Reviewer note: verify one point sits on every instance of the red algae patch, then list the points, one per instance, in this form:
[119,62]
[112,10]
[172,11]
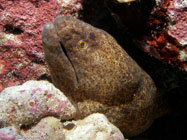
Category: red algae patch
[21,50]
[167,39]
[21,23]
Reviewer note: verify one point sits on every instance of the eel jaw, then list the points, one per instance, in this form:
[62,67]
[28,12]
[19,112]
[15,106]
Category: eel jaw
[69,59]
[62,71]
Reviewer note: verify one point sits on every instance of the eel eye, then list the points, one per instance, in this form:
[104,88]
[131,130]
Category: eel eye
[82,44]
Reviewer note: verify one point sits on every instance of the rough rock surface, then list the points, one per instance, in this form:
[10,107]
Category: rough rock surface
[10,133]
[21,22]
[93,127]
[166,36]
[28,103]
[98,75]
[168,28]
[49,128]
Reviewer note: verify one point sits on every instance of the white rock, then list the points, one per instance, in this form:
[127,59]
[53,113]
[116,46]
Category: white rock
[93,127]
[10,133]
[49,128]
[28,103]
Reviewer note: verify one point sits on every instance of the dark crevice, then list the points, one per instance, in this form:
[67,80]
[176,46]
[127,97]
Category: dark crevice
[66,54]
[45,77]
[27,127]
[17,75]
[37,60]
[11,29]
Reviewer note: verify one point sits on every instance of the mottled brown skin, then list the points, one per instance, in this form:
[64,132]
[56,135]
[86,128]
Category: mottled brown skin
[100,77]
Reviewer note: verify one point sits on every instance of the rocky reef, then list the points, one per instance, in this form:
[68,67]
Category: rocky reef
[158,27]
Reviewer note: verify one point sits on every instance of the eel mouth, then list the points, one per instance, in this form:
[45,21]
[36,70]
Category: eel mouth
[69,59]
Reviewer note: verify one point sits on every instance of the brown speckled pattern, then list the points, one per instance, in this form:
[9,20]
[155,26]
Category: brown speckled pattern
[100,77]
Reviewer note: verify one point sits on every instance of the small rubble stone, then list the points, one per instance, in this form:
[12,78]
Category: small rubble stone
[28,103]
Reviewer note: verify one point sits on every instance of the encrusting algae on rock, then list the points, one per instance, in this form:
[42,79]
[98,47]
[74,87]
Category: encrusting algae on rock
[95,73]
[28,103]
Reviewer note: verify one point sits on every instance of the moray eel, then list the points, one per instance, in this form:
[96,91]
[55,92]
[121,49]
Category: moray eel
[93,70]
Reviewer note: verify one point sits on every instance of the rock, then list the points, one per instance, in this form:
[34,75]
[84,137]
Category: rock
[48,128]
[28,103]
[21,53]
[70,7]
[20,39]
[93,127]
[177,28]
[165,37]
[10,133]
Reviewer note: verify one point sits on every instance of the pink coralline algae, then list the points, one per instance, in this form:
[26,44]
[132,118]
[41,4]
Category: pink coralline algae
[167,40]
[28,103]
[20,40]
[21,22]
[10,133]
